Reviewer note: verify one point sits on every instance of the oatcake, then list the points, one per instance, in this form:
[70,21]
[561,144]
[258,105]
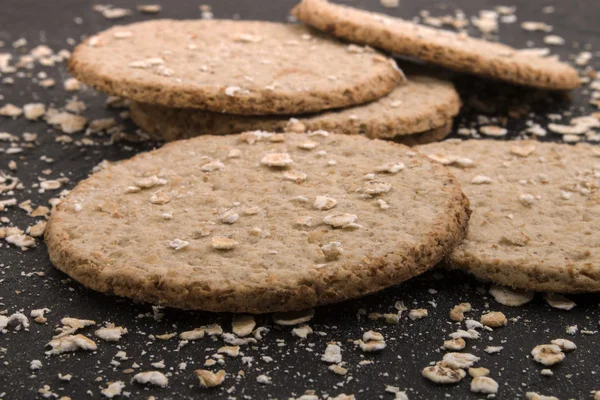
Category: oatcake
[417,111]
[258,222]
[456,51]
[237,67]
[535,207]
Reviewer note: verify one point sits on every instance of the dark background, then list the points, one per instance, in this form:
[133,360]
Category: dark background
[296,366]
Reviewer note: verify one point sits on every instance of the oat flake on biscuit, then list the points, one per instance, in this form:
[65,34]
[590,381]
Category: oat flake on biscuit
[262,262]
[200,64]
[524,232]
[453,50]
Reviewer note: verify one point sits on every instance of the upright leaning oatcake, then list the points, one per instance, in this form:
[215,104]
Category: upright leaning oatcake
[258,222]
[411,111]
[237,67]
[456,51]
[536,208]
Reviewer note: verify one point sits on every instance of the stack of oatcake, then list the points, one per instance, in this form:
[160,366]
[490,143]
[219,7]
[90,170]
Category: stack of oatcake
[283,202]
[189,78]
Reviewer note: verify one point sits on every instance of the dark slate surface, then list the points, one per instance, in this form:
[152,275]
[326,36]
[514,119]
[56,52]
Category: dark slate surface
[296,366]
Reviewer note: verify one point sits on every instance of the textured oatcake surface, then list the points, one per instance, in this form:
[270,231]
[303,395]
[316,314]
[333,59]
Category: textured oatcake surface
[117,233]
[449,49]
[430,136]
[238,67]
[422,104]
[535,223]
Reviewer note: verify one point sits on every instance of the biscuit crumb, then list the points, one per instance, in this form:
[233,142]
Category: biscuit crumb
[494,319]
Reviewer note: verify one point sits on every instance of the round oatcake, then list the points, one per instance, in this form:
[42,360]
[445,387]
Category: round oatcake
[237,67]
[258,222]
[536,208]
[453,50]
[416,108]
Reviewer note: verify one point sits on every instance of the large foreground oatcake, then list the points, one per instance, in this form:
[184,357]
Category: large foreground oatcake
[237,67]
[258,222]
[413,109]
[536,208]
[456,51]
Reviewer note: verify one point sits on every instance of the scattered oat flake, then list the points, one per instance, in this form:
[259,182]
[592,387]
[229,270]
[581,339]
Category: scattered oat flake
[455,344]
[232,351]
[113,389]
[494,319]
[559,301]
[548,354]
[263,379]
[210,379]
[493,130]
[536,26]
[536,396]
[34,111]
[459,360]
[443,374]
[149,8]
[554,40]
[293,317]
[564,344]
[302,331]
[480,371]
[155,378]
[243,325]
[111,333]
[457,313]
[418,313]
[338,369]
[568,129]
[510,297]
[10,110]
[333,354]
[115,13]
[493,349]
[484,384]
[70,343]
[195,334]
